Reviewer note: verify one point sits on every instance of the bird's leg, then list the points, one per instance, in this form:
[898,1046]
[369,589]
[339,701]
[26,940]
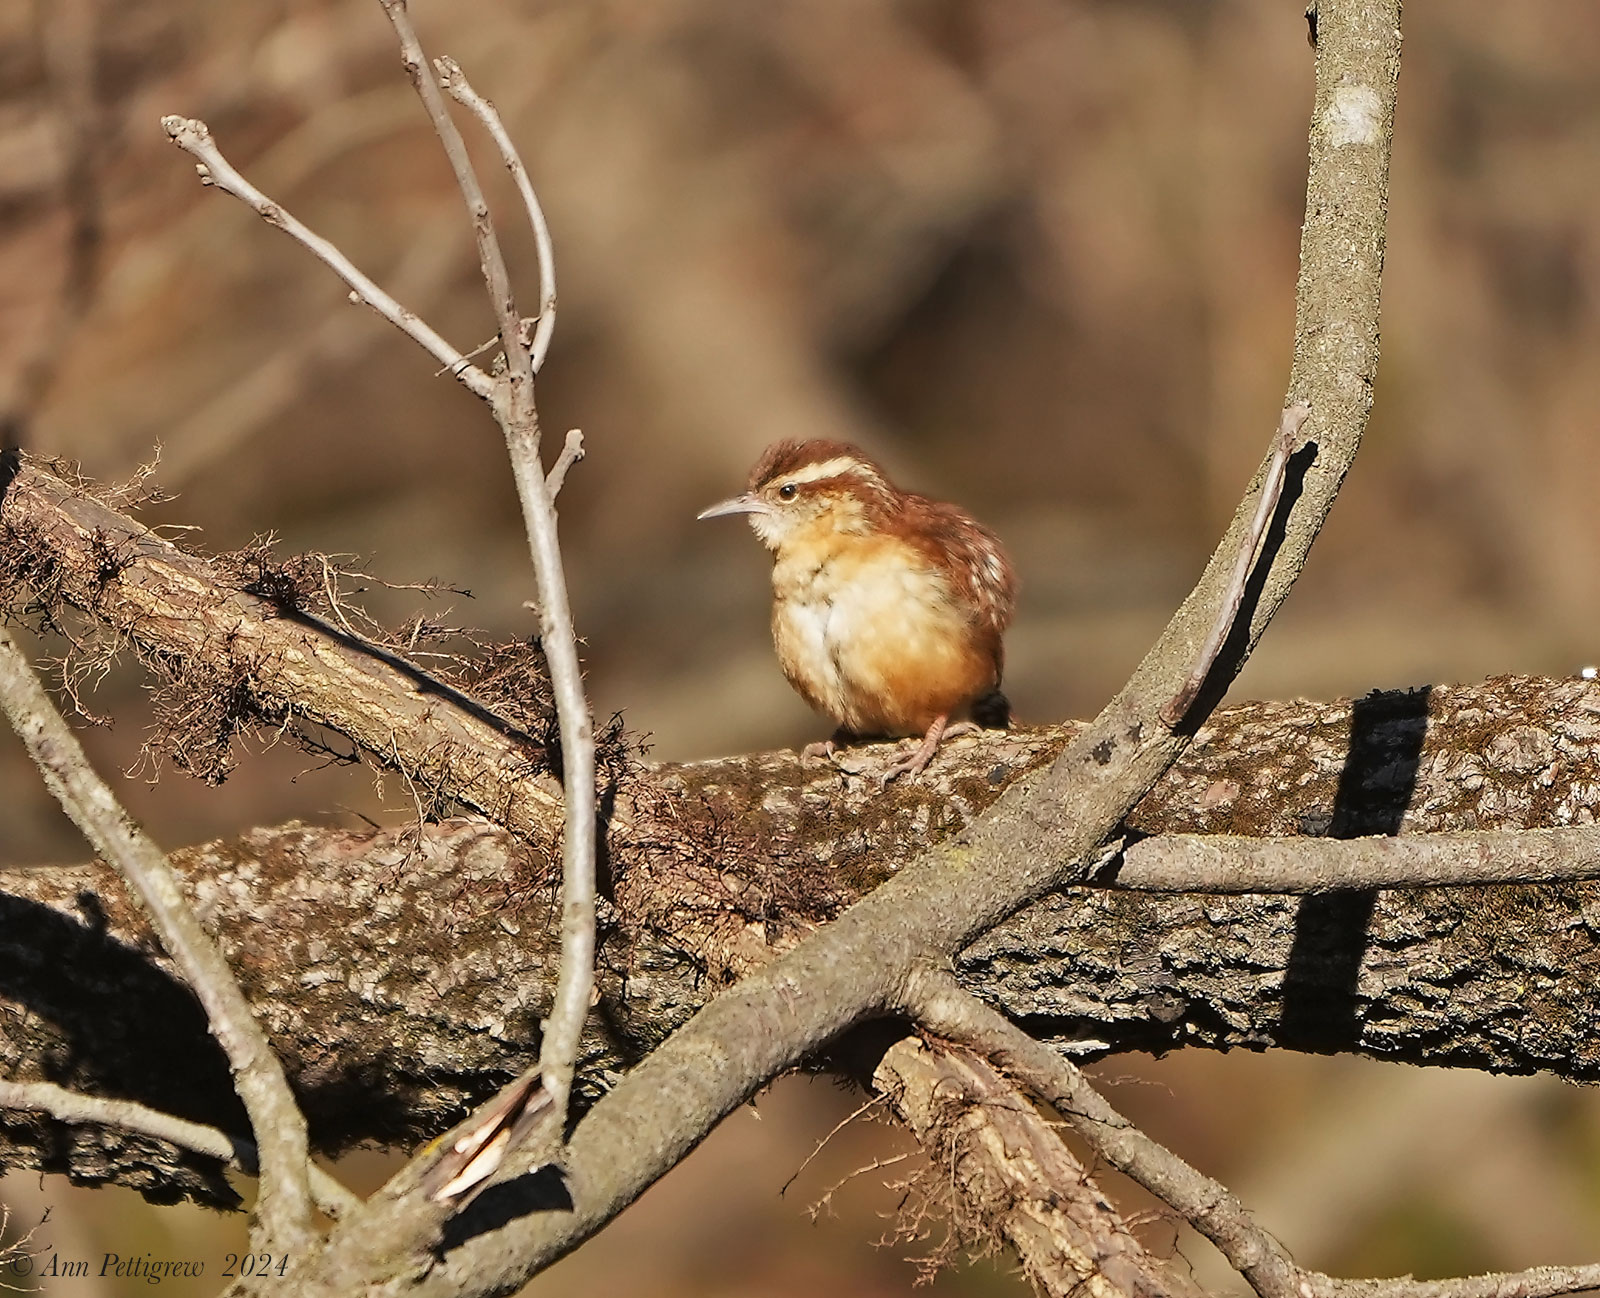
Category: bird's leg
[940,729]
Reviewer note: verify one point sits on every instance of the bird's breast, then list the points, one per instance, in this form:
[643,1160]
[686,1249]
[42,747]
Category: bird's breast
[871,634]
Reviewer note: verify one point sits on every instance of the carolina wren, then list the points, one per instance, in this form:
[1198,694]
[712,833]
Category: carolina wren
[888,607]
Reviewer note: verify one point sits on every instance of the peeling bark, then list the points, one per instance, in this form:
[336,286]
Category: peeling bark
[1012,1178]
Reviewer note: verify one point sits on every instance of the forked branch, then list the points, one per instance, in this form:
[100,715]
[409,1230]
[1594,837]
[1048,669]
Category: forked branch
[510,395]
[460,89]
[518,418]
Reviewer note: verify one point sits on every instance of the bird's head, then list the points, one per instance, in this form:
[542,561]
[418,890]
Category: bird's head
[803,489]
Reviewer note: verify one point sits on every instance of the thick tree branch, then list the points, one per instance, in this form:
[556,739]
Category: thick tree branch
[433,990]
[280,663]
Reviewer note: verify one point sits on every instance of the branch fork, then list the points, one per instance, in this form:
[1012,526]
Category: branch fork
[509,394]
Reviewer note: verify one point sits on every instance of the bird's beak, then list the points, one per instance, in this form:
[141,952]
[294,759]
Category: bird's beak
[749,503]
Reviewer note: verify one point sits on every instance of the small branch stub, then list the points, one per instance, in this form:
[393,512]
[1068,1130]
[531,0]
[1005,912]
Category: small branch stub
[571,453]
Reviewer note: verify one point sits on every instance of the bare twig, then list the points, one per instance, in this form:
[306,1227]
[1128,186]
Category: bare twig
[73,1106]
[869,1103]
[519,367]
[824,1201]
[942,1006]
[1283,446]
[1224,863]
[571,453]
[459,89]
[518,418]
[194,138]
[284,1210]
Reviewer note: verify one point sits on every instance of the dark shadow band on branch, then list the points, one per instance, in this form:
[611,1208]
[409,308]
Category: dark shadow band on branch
[1331,930]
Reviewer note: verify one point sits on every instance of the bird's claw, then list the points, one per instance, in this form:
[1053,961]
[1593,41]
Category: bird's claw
[913,765]
[918,761]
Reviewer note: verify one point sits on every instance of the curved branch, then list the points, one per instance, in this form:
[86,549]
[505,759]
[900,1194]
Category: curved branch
[280,1129]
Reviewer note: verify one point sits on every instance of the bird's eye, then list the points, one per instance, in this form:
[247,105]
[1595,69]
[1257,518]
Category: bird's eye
[788,491]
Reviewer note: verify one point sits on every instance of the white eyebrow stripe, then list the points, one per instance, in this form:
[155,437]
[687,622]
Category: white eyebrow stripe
[834,468]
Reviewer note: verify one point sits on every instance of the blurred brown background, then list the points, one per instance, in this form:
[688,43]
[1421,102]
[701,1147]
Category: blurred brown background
[1037,255]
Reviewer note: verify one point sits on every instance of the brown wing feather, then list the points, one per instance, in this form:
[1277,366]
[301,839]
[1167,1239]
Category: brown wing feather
[982,569]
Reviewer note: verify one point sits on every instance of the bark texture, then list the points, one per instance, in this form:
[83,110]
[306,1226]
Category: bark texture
[404,977]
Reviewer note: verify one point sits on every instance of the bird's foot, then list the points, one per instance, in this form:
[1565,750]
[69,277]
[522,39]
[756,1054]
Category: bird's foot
[918,760]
